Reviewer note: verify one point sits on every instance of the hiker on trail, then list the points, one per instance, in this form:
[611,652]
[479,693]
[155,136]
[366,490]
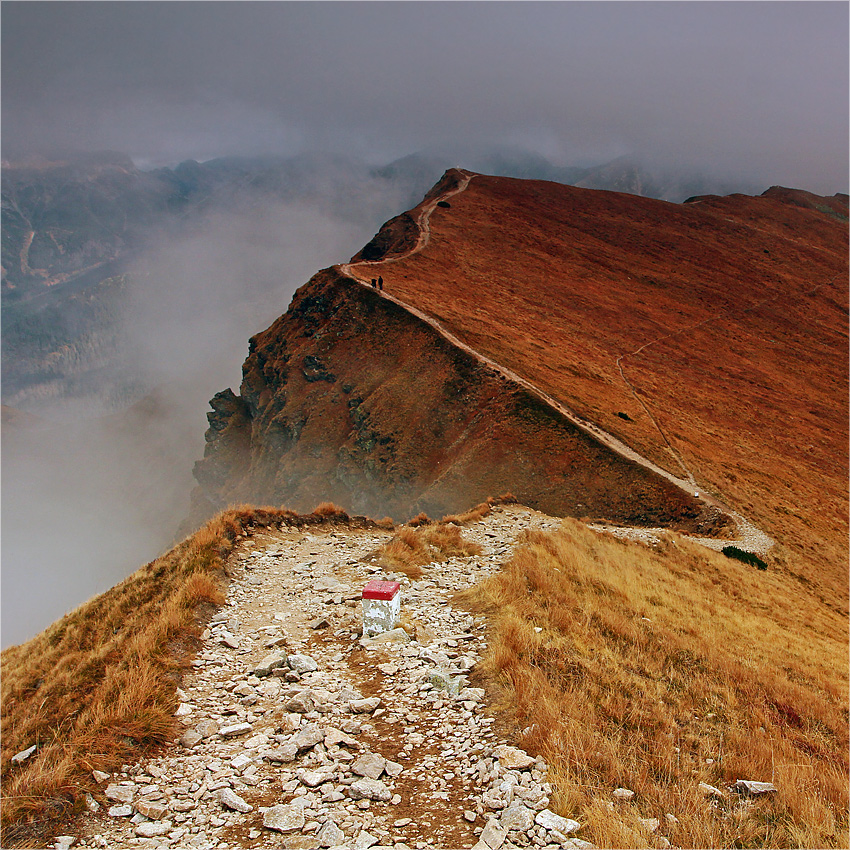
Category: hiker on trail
[380,282]
[374,283]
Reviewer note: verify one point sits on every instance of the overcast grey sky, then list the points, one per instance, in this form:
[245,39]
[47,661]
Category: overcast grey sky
[738,88]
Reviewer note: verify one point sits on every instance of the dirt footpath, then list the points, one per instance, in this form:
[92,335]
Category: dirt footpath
[299,734]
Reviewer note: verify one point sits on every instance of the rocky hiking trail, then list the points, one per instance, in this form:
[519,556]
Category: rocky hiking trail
[298,733]
[749,536]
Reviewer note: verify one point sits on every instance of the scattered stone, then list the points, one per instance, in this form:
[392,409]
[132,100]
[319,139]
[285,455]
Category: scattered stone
[516,817]
[709,790]
[393,636]
[513,758]
[307,737]
[153,830]
[284,753]
[472,694]
[301,703]
[302,664]
[364,840]
[235,730]
[269,663]
[650,824]
[623,795]
[284,818]
[154,811]
[335,737]
[207,728]
[549,820]
[23,755]
[369,764]
[190,738]
[753,789]
[231,800]
[330,835]
[369,789]
[99,776]
[393,768]
[320,623]
[120,793]
[365,706]
[122,811]
[469,815]
[493,836]
[228,639]
[313,778]
[64,842]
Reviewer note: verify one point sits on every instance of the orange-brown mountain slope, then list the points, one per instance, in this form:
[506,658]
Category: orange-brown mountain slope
[711,337]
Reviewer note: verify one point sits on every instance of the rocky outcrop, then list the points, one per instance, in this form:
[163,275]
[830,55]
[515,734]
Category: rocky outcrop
[350,398]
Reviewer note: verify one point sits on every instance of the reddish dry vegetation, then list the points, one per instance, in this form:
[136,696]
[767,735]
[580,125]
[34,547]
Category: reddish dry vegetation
[350,397]
[730,315]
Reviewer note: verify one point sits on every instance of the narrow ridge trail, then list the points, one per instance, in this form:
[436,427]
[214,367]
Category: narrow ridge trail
[295,733]
[750,537]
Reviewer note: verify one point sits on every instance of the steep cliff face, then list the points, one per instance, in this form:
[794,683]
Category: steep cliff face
[349,397]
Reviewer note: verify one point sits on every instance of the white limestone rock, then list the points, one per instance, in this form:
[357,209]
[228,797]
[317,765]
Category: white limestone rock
[369,764]
[120,793]
[330,835]
[550,821]
[513,758]
[749,788]
[229,799]
[302,664]
[284,818]
[153,830]
[235,730]
[493,836]
[369,789]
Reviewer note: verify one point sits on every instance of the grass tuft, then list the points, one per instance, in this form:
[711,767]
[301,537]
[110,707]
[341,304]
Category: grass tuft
[411,548]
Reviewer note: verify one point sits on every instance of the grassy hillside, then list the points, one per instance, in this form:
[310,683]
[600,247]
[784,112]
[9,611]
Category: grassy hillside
[656,670]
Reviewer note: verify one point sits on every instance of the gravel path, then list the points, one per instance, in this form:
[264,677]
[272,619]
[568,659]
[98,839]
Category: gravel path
[349,742]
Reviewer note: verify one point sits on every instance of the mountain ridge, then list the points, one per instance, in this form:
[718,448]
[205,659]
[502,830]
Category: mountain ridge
[710,279]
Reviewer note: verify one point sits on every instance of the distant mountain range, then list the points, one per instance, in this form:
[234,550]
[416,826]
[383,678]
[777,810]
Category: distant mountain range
[64,218]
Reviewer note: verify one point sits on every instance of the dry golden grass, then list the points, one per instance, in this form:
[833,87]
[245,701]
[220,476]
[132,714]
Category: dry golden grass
[413,547]
[479,511]
[657,670]
[98,687]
